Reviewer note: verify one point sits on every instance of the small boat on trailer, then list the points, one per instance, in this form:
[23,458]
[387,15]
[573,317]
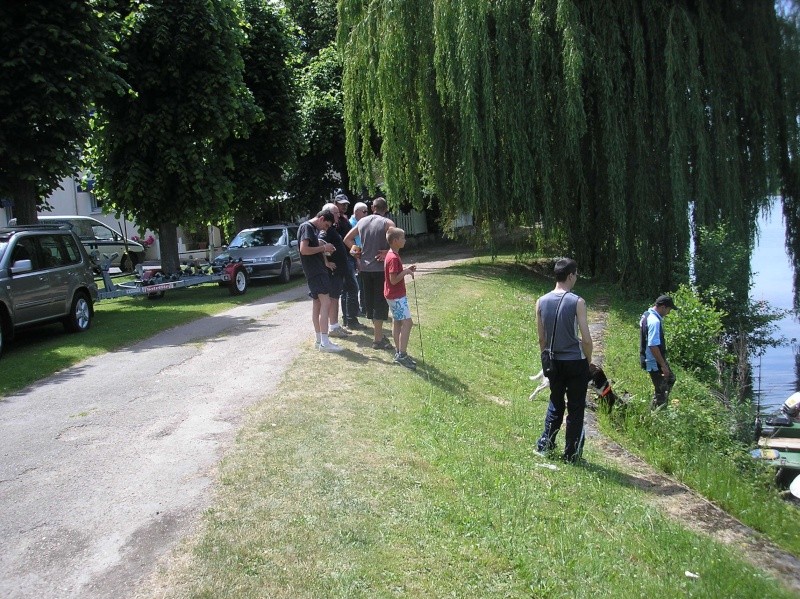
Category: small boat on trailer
[778,438]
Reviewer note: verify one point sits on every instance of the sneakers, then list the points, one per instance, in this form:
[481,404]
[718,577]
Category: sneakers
[330,346]
[339,332]
[405,360]
[354,325]
[382,344]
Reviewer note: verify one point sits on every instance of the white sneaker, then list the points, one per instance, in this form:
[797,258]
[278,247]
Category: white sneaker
[330,346]
[339,332]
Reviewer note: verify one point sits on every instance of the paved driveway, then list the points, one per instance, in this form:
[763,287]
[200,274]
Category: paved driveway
[95,485]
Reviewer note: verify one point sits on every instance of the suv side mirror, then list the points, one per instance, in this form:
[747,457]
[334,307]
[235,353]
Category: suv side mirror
[293,243]
[21,266]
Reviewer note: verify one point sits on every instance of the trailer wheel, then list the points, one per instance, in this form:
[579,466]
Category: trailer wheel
[155,295]
[238,285]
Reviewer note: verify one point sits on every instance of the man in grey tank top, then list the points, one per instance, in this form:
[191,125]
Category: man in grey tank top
[372,229]
[560,315]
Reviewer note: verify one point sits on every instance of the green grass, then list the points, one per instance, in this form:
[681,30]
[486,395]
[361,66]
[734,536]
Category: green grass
[358,478]
[690,440]
[39,352]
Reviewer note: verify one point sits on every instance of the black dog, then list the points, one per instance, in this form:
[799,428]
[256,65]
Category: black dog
[602,386]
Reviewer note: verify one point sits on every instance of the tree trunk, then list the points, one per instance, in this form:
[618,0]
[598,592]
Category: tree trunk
[168,242]
[242,220]
[25,203]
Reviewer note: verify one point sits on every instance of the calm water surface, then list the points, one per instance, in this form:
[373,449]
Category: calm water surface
[772,281]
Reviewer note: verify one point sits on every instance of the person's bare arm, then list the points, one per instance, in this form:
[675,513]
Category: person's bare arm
[540,329]
[583,326]
[309,250]
[350,238]
[660,359]
[396,277]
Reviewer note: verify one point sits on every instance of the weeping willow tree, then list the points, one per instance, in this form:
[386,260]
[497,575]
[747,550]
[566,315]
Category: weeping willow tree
[616,127]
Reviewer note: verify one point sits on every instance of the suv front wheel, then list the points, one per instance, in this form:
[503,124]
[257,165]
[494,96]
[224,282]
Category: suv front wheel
[80,313]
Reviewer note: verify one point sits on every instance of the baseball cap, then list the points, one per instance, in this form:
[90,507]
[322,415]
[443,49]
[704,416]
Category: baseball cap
[665,300]
[342,199]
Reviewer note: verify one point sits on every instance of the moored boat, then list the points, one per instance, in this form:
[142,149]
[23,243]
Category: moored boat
[778,439]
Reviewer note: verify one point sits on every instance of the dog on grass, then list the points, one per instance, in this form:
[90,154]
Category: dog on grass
[598,382]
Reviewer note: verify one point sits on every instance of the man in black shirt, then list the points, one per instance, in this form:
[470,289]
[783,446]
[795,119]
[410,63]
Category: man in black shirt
[312,255]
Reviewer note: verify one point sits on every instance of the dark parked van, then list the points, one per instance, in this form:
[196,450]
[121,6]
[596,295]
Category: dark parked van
[45,276]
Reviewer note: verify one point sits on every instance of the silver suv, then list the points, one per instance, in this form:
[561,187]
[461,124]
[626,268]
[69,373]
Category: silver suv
[45,276]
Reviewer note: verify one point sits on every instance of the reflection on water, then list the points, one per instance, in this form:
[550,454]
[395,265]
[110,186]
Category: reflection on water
[773,277]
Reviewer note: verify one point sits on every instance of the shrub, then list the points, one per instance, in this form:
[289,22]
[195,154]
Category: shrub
[695,334]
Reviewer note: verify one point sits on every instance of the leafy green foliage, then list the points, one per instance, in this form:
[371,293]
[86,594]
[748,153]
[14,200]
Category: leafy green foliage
[55,59]
[724,280]
[162,151]
[598,121]
[320,166]
[695,334]
[262,155]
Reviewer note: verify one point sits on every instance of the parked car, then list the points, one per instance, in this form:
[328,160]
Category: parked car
[46,275]
[95,235]
[267,251]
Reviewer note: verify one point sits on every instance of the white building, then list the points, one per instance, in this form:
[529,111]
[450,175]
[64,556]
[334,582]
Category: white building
[72,200]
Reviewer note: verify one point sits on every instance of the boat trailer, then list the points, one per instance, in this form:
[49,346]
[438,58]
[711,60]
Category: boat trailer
[150,281]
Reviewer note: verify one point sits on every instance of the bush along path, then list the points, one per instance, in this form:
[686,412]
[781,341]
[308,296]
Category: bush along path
[679,501]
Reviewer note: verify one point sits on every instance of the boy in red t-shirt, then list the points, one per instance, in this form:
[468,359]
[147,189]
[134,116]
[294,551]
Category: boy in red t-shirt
[394,290]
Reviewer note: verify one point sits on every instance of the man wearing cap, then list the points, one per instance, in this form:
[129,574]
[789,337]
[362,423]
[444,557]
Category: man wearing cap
[653,349]
[350,289]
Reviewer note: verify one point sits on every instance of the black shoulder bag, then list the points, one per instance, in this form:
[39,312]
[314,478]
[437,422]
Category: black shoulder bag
[548,361]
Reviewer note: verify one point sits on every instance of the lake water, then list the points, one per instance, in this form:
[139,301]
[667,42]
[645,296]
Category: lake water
[775,375]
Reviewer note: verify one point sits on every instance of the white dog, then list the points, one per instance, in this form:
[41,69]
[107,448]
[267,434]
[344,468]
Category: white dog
[544,384]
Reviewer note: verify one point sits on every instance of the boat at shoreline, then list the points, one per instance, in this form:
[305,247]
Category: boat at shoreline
[778,438]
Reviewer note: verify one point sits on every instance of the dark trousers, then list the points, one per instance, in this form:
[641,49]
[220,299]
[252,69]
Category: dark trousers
[350,303]
[662,387]
[571,380]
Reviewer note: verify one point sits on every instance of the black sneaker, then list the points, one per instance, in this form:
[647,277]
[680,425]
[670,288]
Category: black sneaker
[406,357]
[382,344]
[404,360]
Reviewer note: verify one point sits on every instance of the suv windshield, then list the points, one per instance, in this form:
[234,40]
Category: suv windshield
[253,238]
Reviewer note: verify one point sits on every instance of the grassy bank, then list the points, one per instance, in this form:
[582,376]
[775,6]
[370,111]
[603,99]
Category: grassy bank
[359,478]
[39,352]
[691,440]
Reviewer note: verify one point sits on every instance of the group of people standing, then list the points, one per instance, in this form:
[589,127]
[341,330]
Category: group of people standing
[563,330]
[334,248]
[357,261]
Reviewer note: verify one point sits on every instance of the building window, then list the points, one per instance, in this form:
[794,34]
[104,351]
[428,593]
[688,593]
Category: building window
[96,203]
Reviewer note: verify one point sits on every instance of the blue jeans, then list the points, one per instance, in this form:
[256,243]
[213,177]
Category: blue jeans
[571,379]
[350,305]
